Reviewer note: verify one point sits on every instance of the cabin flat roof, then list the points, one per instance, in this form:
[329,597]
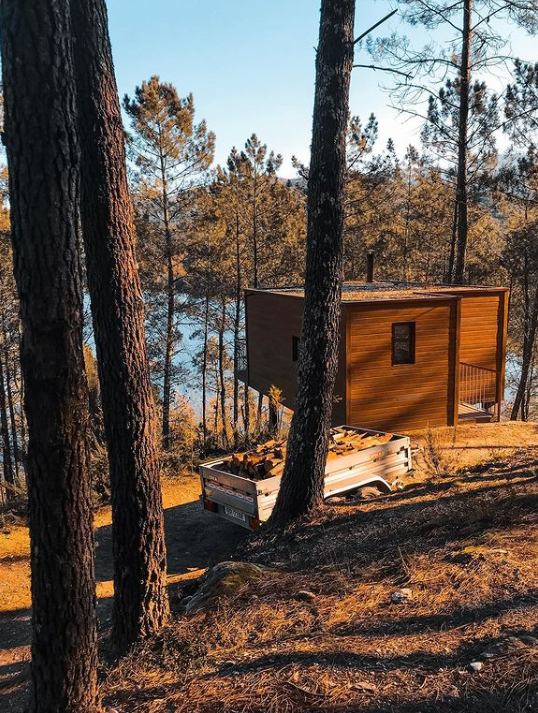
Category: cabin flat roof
[390,291]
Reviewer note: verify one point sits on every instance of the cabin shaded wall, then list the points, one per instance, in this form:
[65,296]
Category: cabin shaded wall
[272,322]
[404,396]
[480,318]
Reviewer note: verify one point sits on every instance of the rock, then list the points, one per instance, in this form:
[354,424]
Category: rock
[402,595]
[476,666]
[368,493]
[222,581]
[305,596]
[528,640]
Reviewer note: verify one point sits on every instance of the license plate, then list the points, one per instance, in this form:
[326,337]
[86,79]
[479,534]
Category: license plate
[232,512]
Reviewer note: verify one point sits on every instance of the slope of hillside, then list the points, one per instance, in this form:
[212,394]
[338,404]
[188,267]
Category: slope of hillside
[424,600]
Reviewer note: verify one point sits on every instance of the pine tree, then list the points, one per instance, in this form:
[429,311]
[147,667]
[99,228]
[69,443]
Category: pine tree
[140,598]
[477,44]
[41,141]
[172,154]
[302,486]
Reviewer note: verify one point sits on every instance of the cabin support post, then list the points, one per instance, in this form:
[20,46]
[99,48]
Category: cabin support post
[456,308]
[501,352]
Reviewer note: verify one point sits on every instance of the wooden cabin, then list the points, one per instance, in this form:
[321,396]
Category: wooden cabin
[410,356]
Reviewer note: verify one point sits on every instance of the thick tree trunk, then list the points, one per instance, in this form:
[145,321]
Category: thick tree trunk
[301,491]
[461,188]
[140,598]
[40,136]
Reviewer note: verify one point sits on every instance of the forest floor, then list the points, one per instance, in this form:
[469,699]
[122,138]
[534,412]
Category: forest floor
[195,540]
[388,604]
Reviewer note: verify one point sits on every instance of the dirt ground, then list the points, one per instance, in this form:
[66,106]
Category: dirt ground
[462,536]
[195,540]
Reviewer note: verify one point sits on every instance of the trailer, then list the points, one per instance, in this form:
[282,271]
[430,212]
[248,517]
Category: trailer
[248,502]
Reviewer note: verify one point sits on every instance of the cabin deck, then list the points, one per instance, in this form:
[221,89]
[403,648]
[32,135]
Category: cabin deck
[466,412]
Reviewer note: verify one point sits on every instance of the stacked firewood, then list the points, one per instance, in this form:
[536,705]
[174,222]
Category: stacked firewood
[344,442]
[268,459]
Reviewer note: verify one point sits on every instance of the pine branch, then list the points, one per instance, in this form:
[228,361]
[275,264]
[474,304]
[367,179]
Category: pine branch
[377,24]
[382,69]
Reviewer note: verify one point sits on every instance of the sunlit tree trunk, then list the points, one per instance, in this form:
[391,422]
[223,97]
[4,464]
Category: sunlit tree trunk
[140,597]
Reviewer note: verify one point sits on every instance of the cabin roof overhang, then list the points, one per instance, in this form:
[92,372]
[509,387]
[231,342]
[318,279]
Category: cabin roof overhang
[392,292]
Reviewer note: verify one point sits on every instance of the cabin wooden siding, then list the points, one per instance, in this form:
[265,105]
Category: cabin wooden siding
[455,326]
[272,322]
[404,396]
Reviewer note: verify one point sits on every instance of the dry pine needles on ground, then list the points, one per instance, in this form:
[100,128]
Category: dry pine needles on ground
[466,548]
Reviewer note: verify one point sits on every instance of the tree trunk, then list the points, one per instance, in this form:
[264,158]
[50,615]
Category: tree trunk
[40,136]
[7,461]
[259,413]
[170,313]
[237,330]
[140,598]
[302,486]
[204,376]
[461,187]
[222,381]
[531,326]
[11,409]
[255,227]
[453,239]
[246,413]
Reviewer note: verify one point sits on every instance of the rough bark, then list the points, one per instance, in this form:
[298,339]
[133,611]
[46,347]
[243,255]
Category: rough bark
[140,598]
[463,149]
[301,491]
[41,143]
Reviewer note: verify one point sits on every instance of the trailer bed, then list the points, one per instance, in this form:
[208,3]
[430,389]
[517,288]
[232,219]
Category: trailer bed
[249,502]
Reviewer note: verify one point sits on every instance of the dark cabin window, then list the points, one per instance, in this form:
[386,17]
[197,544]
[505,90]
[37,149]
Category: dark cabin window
[403,343]
[295,348]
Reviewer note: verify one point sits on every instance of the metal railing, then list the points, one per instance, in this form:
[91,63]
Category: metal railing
[478,385]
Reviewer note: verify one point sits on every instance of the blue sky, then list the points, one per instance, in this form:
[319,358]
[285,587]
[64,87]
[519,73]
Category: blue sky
[250,65]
